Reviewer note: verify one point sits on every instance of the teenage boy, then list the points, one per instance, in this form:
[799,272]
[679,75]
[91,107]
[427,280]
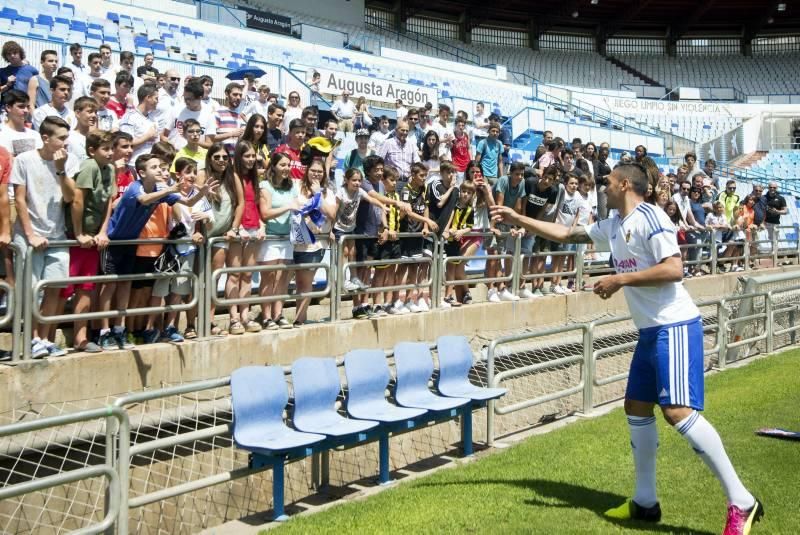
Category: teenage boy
[123,148]
[61,92]
[130,215]
[96,71]
[106,65]
[489,154]
[39,86]
[86,120]
[444,130]
[87,222]
[107,120]
[17,74]
[414,195]
[192,133]
[510,191]
[274,121]
[293,146]
[120,101]
[15,137]
[192,109]
[380,135]
[141,122]
[259,104]
[229,128]
[41,187]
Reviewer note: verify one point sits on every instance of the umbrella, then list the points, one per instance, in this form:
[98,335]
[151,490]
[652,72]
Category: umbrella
[239,74]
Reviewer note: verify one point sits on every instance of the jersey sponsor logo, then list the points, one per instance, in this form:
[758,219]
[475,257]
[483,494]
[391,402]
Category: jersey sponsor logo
[626,265]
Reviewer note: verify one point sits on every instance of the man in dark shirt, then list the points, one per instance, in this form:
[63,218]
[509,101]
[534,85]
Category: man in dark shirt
[775,208]
[547,137]
[147,69]
[760,206]
[274,121]
[601,172]
[541,202]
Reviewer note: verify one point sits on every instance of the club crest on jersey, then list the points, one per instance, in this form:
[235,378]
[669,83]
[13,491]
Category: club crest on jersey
[628,236]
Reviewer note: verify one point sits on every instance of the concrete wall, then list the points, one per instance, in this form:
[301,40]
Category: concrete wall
[114,373]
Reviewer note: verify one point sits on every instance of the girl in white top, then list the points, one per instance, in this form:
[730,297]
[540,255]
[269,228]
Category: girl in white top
[306,251]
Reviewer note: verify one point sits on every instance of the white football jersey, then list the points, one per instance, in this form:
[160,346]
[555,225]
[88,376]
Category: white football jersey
[640,241]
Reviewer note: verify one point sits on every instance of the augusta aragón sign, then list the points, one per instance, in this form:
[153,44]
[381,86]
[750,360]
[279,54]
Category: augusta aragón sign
[269,22]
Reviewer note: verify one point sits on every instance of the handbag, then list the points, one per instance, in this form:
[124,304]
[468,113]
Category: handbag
[168,260]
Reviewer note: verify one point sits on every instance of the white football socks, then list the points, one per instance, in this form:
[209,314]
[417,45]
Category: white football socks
[706,442]
[644,442]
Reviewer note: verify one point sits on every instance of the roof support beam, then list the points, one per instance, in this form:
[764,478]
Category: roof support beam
[677,31]
[632,11]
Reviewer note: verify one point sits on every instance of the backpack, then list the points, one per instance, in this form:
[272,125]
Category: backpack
[167,261]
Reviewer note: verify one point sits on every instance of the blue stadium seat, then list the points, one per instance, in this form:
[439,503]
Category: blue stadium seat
[259,396]
[455,362]
[367,378]
[78,26]
[414,366]
[46,20]
[69,7]
[315,382]
[112,16]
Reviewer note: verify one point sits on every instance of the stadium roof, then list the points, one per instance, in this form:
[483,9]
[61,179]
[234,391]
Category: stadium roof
[667,18]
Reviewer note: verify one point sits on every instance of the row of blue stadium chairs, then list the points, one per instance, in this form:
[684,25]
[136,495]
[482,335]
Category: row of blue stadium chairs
[260,396]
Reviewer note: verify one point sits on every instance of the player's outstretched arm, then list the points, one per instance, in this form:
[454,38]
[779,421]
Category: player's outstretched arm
[550,231]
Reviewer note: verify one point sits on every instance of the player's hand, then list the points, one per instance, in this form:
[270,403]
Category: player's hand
[504,214]
[607,286]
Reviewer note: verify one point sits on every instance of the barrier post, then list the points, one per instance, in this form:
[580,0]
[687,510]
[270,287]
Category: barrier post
[201,289]
[338,280]
[746,255]
[722,325]
[714,255]
[209,287]
[516,265]
[588,368]
[333,273]
[769,322]
[27,302]
[775,233]
[490,383]
[20,299]
[437,265]
[579,260]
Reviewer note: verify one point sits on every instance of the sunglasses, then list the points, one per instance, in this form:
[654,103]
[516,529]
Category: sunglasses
[220,157]
[175,78]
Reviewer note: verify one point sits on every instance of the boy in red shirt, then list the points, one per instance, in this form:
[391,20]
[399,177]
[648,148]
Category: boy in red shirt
[460,150]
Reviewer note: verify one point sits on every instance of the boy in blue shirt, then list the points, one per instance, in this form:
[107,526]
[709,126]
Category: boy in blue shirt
[488,155]
[127,221]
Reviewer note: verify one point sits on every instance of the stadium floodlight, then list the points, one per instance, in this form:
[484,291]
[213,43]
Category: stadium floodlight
[781,6]
[595,2]
[575,14]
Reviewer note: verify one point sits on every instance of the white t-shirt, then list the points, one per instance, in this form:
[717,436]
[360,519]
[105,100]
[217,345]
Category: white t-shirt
[167,104]
[43,193]
[76,145]
[174,126]
[291,113]
[107,120]
[43,112]
[377,138]
[17,142]
[256,106]
[402,111]
[136,124]
[481,123]
[346,214]
[445,134]
[638,242]
[573,206]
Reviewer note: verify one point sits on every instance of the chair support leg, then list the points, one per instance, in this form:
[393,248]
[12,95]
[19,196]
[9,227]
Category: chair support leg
[277,491]
[383,455]
[466,429]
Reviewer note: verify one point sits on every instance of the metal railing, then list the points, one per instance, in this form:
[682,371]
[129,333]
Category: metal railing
[23,307]
[115,495]
[773,317]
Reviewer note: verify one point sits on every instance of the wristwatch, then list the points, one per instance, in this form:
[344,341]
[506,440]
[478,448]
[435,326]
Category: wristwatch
[61,173]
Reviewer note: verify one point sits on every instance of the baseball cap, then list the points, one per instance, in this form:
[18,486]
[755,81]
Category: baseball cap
[362,132]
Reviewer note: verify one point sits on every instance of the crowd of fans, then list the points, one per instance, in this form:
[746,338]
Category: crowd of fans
[97,154]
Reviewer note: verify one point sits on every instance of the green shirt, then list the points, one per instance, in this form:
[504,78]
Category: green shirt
[99,187]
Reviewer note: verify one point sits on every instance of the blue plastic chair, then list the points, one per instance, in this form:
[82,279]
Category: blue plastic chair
[455,361]
[367,377]
[315,382]
[258,396]
[414,365]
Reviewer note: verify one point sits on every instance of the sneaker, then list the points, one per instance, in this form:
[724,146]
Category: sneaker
[107,342]
[53,350]
[390,310]
[283,323]
[370,313]
[380,312]
[558,289]
[412,307]
[452,301]
[444,304]
[525,293]
[493,296]
[270,325]
[359,313]
[236,327]
[38,349]
[351,286]
[505,295]
[400,307]
[252,327]
[358,282]
[630,510]
[537,293]
[171,334]
[151,336]
[422,304]
[467,299]
[740,522]
[120,337]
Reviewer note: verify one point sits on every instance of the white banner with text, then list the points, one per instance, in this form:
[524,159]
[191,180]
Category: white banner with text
[376,89]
